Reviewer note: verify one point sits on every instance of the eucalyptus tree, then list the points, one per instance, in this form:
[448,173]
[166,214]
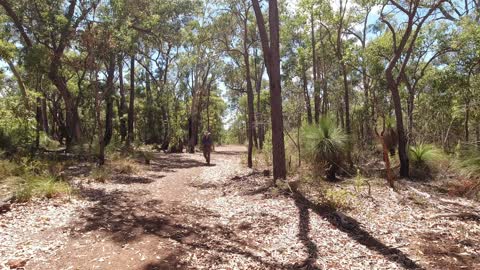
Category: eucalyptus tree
[239,51]
[271,54]
[404,35]
[53,26]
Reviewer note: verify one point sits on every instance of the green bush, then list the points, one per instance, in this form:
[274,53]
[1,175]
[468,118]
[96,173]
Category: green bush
[338,198]
[468,162]
[39,186]
[325,144]
[33,178]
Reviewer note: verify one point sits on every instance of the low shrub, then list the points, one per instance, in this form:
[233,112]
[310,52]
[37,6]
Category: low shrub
[33,178]
[101,174]
[338,198]
[39,186]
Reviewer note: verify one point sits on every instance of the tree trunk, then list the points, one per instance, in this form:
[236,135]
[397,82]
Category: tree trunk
[38,117]
[45,116]
[122,104]
[151,135]
[250,94]
[109,101]
[131,107]
[402,139]
[410,107]
[72,123]
[346,99]
[306,95]
[258,87]
[316,85]
[271,51]
[467,120]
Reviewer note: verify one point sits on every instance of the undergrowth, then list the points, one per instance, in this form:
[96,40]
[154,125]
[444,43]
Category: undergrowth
[29,179]
[126,166]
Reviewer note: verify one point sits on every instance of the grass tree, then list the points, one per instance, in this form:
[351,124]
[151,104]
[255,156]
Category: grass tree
[325,144]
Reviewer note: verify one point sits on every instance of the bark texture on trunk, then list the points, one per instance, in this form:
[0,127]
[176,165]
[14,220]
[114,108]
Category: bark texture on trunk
[131,107]
[122,103]
[271,51]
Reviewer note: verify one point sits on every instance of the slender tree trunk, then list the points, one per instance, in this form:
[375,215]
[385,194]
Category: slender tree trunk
[467,120]
[402,139]
[20,82]
[38,117]
[109,101]
[131,107]
[45,126]
[258,87]
[410,108]
[346,99]
[122,104]
[250,94]
[306,95]
[316,85]
[151,135]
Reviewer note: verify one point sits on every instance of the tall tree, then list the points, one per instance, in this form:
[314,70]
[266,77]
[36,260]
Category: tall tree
[403,42]
[271,54]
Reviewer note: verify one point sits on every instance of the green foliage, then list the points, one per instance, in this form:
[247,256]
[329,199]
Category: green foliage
[338,198]
[29,179]
[39,186]
[468,162]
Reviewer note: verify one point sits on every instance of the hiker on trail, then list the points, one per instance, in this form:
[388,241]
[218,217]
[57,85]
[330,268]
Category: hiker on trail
[207,145]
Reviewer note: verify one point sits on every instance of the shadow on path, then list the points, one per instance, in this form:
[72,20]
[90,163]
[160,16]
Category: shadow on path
[349,226]
[174,162]
[303,231]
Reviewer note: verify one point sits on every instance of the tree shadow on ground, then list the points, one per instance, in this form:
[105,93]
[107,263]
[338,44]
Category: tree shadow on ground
[174,162]
[124,218]
[445,252]
[303,231]
[229,153]
[348,225]
[132,179]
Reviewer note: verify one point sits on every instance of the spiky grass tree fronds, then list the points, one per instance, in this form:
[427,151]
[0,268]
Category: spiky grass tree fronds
[325,143]
[426,159]
[425,154]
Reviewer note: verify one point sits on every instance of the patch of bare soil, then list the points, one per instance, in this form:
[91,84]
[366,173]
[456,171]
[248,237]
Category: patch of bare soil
[178,213]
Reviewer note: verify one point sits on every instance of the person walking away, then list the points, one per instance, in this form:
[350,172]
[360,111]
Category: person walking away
[207,145]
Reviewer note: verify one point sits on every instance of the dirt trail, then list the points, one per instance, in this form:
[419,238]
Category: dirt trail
[178,213]
[141,222]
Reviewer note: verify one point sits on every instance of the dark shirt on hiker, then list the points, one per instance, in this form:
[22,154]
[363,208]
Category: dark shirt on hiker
[207,140]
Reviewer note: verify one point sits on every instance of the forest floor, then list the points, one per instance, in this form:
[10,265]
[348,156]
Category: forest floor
[177,213]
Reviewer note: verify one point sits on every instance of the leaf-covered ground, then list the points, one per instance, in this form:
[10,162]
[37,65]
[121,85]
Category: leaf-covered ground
[179,214]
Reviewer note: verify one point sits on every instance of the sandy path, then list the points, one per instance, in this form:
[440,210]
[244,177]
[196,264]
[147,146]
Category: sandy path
[139,222]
